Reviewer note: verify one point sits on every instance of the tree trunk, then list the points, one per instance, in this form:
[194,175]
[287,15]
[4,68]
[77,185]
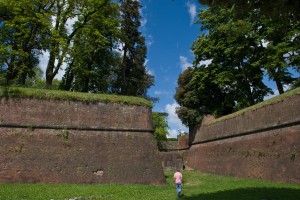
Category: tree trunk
[279,85]
[276,78]
[22,78]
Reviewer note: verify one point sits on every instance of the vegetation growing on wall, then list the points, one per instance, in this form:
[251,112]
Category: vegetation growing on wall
[160,125]
[75,96]
[273,100]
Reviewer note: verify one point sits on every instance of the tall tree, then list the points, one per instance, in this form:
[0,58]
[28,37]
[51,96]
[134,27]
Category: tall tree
[186,97]
[60,37]
[92,54]
[232,47]
[131,77]
[277,31]
[23,31]
[276,9]
[280,49]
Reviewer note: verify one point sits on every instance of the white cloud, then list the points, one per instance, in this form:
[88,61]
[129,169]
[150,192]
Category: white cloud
[265,43]
[146,62]
[162,92]
[70,23]
[44,58]
[119,48]
[276,92]
[184,64]
[173,133]
[144,21]
[150,40]
[173,120]
[205,62]
[192,11]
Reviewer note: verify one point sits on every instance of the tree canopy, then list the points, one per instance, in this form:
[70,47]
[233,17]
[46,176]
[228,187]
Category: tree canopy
[98,42]
[131,77]
[240,49]
[160,126]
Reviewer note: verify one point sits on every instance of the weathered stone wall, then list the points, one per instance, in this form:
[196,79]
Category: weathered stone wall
[172,160]
[26,111]
[262,143]
[53,141]
[172,153]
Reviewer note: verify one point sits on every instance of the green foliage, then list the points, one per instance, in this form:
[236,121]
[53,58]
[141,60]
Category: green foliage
[84,35]
[91,56]
[131,77]
[241,47]
[198,93]
[160,126]
[23,30]
[78,96]
[64,43]
[275,9]
[196,186]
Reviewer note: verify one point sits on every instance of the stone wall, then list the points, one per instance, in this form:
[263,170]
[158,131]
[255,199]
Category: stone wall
[55,141]
[260,143]
[172,160]
[172,153]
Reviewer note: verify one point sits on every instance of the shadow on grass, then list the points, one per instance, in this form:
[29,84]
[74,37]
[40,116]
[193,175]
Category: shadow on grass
[249,194]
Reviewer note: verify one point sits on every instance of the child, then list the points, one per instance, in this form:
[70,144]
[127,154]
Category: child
[178,181]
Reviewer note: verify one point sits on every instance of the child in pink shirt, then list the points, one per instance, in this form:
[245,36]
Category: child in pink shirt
[178,181]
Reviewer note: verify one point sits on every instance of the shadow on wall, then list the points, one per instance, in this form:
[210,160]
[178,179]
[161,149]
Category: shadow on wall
[249,194]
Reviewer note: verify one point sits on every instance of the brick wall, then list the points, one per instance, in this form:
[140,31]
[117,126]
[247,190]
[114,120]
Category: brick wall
[75,142]
[263,143]
[172,153]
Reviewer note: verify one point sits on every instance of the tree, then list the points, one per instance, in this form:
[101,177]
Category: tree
[22,32]
[60,38]
[92,55]
[200,92]
[280,52]
[130,76]
[277,31]
[188,112]
[276,9]
[232,46]
[160,126]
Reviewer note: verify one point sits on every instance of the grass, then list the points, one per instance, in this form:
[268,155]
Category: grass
[74,96]
[196,186]
[271,101]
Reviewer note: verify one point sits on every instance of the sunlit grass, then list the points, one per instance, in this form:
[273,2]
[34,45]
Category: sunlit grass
[196,186]
[271,101]
[76,96]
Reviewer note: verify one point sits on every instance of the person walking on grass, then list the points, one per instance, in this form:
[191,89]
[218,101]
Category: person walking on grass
[178,181]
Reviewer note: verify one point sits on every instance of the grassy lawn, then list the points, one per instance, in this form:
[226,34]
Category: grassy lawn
[196,186]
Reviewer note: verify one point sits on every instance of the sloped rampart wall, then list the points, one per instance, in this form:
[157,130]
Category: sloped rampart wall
[259,143]
[57,141]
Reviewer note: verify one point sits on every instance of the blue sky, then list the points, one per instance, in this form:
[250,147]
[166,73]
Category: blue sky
[169,29]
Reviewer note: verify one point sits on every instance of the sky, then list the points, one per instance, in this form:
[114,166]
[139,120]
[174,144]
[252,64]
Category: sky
[169,28]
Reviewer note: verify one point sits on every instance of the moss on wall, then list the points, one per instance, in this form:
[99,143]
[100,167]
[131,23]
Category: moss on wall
[273,100]
[75,96]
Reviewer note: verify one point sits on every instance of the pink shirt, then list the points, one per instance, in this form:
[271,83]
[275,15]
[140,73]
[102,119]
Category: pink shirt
[178,177]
